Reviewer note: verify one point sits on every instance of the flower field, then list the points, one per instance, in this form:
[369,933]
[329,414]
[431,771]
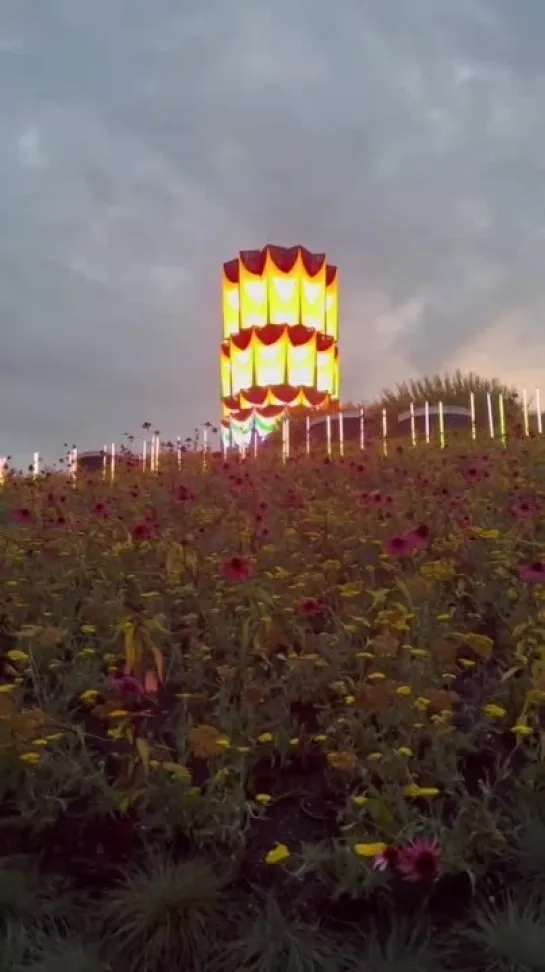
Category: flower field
[276,717]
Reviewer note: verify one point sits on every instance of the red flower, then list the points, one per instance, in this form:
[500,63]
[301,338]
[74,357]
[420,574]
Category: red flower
[22,515]
[533,573]
[421,860]
[143,531]
[311,607]
[236,569]
[101,510]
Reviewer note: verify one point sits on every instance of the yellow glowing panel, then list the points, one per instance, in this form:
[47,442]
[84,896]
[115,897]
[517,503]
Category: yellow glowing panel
[242,368]
[253,298]
[302,364]
[284,291]
[231,308]
[325,370]
[270,362]
[313,300]
[332,309]
[225,375]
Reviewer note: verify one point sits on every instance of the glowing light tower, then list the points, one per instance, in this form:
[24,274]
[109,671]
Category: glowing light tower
[280,339]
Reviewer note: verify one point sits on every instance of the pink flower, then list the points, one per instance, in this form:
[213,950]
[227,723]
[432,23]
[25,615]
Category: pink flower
[387,860]
[22,516]
[419,537]
[421,860]
[533,573]
[526,509]
[399,545]
[143,531]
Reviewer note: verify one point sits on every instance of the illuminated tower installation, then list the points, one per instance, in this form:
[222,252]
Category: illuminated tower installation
[280,334]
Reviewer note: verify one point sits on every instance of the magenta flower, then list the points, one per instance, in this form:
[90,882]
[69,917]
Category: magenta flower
[533,573]
[421,860]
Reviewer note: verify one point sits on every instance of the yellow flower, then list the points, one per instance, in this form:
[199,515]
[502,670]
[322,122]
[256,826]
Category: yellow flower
[359,800]
[277,854]
[243,749]
[90,695]
[31,758]
[370,850]
[263,798]
[119,713]
[88,629]
[404,751]
[42,743]
[295,741]
[7,687]
[419,653]
[265,737]
[321,738]
[15,655]
[420,791]
[521,730]
[349,699]
[494,711]
[223,742]
[403,691]
[375,757]
[467,662]
[342,760]
[178,771]
[421,704]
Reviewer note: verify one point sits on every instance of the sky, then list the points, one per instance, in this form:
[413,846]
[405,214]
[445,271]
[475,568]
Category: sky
[144,143]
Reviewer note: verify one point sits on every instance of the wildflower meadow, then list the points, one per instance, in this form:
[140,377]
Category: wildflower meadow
[276,717]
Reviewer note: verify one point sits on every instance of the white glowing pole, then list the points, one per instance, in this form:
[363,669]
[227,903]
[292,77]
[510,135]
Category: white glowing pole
[427,422]
[307,435]
[538,412]
[144,455]
[105,460]
[525,416]
[3,460]
[36,465]
[287,427]
[490,414]
[341,434]
[362,428]
[384,432]
[472,413]
[441,415]
[73,463]
[179,452]
[112,461]
[328,433]
[204,446]
[413,424]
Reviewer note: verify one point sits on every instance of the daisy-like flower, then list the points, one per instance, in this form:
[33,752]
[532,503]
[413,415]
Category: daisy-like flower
[420,860]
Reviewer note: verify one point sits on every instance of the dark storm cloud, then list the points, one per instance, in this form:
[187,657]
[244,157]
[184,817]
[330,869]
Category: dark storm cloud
[142,144]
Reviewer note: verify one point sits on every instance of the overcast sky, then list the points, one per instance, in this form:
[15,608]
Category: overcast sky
[144,142]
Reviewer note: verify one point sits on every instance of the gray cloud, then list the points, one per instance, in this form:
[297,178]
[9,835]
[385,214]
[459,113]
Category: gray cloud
[143,144]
